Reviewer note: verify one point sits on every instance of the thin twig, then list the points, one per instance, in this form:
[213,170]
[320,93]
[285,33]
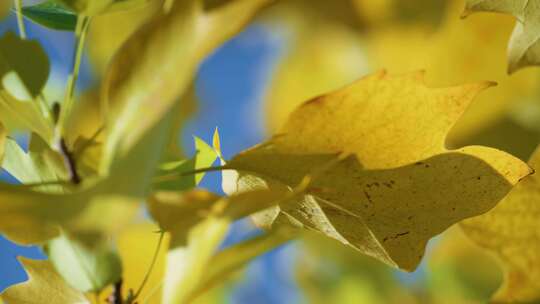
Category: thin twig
[71,164]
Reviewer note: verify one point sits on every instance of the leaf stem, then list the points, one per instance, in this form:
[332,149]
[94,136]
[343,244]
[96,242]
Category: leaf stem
[83,23]
[20,18]
[149,272]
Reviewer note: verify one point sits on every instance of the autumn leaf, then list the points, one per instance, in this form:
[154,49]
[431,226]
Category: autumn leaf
[158,63]
[511,231]
[382,180]
[178,212]
[44,286]
[325,57]
[2,141]
[523,46]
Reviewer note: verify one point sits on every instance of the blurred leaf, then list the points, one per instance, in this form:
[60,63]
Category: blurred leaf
[186,265]
[24,66]
[109,31]
[458,271]
[229,261]
[319,60]
[91,211]
[137,246]
[5,7]
[2,141]
[95,7]
[511,231]
[44,285]
[178,212]
[21,166]
[23,116]
[368,186]
[523,47]
[84,268]
[473,49]
[326,270]
[52,15]
[158,63]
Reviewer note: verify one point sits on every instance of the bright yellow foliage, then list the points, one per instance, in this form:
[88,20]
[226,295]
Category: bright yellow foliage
[512,231]
[370,151]
[44,286]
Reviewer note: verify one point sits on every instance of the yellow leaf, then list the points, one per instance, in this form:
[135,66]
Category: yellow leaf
[523,46]
[473,49]
[44,286]
[2,141]
[137,245]
[511,231]
[320,60]
[187,265]
[109,31]
[23,116]
[158,63]
[178,212]
[403,48]
[381,177]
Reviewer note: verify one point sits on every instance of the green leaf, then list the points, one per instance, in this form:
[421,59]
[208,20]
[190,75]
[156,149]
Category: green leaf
[52,15]
[174,178]
[43,286]
[83,268]
[24,67]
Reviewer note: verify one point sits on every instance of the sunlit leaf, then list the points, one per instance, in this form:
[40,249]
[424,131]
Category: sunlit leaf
[44,285]
[52,15]
[186,265]
[403,49]
[523,48]
[381,178]
[86,269]
[137,245]
[23,116]
[511,231]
